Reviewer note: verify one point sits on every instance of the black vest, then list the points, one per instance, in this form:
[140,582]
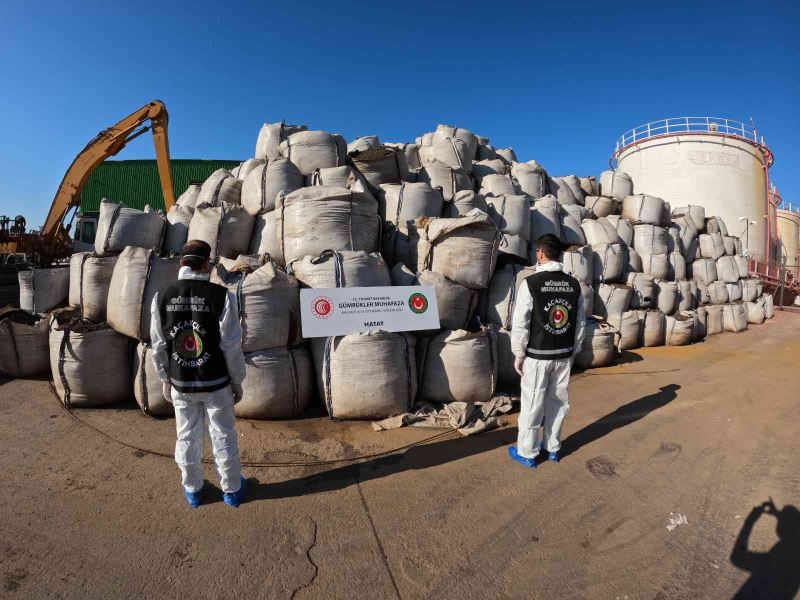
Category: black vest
[554,315]
[190,311]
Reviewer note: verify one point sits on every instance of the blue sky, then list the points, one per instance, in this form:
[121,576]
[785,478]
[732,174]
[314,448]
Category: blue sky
[558,81]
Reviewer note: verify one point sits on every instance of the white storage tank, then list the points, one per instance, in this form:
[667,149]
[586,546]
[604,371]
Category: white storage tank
[789,239]
[719,164]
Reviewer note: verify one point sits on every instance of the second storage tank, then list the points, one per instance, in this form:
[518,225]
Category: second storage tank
[789,239]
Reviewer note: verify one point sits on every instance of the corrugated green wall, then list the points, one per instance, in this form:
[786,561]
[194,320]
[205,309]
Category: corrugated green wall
[136,182]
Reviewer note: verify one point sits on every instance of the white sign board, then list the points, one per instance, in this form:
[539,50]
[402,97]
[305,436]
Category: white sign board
[341,311]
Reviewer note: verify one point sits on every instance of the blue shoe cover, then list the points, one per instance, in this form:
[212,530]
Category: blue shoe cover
[193,498]
[528,463]
[553,457]
[235,499]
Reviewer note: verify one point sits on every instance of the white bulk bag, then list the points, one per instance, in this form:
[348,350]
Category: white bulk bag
[597,349]
[484,168]
[631,261]
[312,150]
[599,231]
[507,376]
[645,290]
[271,135]
[41,290]
[499,299]
[310,221]
[756,312]
[545,219]
[674,241]
[700,319]
[268,300]
[380,165]
[137,276]
[589,186]
[464,249]
[91,364]
[220,187]
[23,344]
[261,187]
[750,289]
[667,297]
[456,303]
[147,389]
[441,175]
[530,178]
[497,185]
[705,270]
[734,291]
[341,177]
[227,228]
[89,279]
[411,154]
[650,239]
[687,295]
[769,306]
[265,238]
[511,214]
[656,265]
[616,184]
[730,245]
[188,199]
[717,292]
[369,375]
[679,330]
[402,275]
[602,206]
[711,245]
[653,328]
[279,384]
[507,154]
[742,266]
[734,317]
[559,188]
[463,203]
[515,246]
[577,261]
[628,329]
[624,228]
[178,219]
[716,225]
[587,293]
[607,262]
[727,269]
[610,299]
[459,366]
[714,321]
[245,168]
[574,185]
[399,203]
[119,226]
[333,269]
[643,209]
[464,140]
[696,212]
[677,267]
[570,226]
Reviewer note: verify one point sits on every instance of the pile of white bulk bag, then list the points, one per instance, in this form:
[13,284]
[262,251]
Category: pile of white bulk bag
[89,279]
[333,269]
[23,344]
[459,366]
[278,384]
[369,375]
[147,389]
[138,275]
[312,150]
[119,226]
[41,290]
[643,209]
[464,249]
[261,187]
[227,228]
[310,221]
[616,184]
[91,363]
[268,301]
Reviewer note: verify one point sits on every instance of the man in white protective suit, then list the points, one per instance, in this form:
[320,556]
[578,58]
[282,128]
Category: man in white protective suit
[547,332]
[197,352]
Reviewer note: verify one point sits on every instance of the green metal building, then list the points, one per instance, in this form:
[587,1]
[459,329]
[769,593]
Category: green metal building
[135,183]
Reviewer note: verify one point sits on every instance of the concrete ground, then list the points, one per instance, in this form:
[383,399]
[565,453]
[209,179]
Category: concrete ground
[666,455]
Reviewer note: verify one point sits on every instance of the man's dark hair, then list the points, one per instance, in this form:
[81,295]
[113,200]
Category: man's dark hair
[550,245]
[195,254]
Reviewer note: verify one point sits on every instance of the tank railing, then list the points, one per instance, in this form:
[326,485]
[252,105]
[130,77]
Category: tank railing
[677,125]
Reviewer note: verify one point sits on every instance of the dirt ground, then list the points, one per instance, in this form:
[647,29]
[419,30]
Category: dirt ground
[699,436]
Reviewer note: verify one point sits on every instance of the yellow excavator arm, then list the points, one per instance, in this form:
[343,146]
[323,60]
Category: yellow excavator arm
[107,143]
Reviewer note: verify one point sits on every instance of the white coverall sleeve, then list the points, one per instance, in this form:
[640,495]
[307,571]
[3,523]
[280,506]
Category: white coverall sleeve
[230,331]
[521,322]
[157,341]
[580,327]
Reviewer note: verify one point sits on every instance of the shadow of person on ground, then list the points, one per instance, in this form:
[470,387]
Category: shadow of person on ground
[418,457]
[622,416]
[774,574]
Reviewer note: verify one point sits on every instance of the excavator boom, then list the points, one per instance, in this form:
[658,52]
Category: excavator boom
[107,143]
